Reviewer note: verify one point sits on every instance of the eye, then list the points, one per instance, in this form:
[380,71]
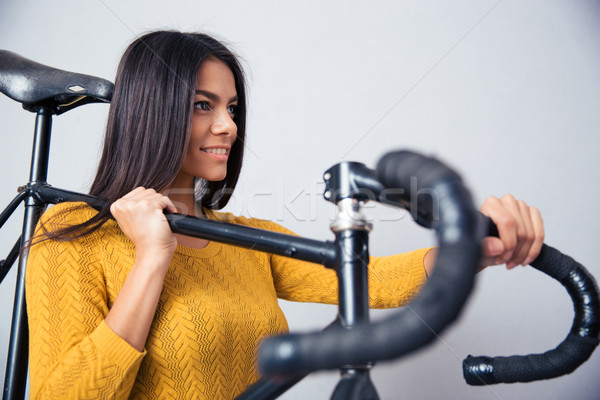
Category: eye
[202,105]
[232,109]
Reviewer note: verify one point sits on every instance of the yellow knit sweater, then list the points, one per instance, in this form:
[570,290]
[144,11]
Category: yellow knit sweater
[216,304]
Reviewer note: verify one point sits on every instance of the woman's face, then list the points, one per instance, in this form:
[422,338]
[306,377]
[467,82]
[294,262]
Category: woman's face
[213,130]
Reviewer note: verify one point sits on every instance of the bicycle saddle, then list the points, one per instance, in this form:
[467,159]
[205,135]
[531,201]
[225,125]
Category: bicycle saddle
[35,85]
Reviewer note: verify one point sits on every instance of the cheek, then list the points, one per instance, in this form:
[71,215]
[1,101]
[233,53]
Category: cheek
[200,128]
[194,138]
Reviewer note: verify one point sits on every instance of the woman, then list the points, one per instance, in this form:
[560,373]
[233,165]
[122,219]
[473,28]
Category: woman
[122,308]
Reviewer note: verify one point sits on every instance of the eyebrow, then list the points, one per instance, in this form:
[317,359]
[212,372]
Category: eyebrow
[213,96]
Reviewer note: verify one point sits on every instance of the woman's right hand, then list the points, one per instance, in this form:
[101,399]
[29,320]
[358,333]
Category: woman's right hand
[140,216]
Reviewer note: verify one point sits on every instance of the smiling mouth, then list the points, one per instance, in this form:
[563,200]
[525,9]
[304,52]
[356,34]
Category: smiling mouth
[220,154]
[219,151]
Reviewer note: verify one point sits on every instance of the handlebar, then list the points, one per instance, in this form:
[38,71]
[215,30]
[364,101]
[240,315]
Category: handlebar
[574,350]
[459,228]
[437,305]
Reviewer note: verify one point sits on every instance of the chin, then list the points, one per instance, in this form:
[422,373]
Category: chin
[214,178]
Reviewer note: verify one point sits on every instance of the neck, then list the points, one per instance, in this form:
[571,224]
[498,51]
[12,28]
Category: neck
[181,193]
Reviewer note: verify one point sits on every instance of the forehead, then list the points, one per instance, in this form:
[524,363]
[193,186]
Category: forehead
[215,76]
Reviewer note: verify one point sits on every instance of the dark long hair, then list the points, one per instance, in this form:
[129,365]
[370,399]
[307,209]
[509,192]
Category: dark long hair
[150,119]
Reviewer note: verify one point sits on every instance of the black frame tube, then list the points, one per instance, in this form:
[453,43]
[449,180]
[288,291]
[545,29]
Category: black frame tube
[323,253]
[18,350]
[300,248]
[12,206]
[353,286]
[8,262]
[353,277]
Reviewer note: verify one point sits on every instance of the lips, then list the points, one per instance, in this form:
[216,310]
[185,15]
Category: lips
[217,153]
[216,150]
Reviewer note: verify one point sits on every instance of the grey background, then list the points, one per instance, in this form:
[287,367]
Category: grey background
[507,92]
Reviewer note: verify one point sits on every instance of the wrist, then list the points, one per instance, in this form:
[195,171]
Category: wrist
[154,255]
[429,261]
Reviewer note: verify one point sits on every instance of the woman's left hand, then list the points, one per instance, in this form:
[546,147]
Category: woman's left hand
[520,228]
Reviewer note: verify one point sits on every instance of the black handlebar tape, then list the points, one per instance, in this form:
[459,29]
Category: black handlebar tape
[568,355]
[436,306]
[405,169]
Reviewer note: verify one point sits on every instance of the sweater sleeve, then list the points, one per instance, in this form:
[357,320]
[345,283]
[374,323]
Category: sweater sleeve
[73,353]
[393,280]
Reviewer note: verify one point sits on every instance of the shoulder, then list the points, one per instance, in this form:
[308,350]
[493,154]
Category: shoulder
[60,217]
[68,214]
[251,222]
[51,256]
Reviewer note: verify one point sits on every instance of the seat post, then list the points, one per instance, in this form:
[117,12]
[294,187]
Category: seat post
[18,352]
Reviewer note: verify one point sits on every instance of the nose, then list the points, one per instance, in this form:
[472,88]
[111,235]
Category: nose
[223,124]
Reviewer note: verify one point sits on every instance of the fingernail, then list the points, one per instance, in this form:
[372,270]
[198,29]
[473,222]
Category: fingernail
[510,265]
[508,255]
[528,261]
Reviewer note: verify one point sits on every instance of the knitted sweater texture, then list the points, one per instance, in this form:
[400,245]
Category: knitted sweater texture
[215,306]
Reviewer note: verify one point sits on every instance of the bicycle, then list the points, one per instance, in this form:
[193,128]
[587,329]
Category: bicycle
[346,344]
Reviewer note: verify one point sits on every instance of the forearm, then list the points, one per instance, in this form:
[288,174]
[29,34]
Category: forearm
[429,262]
[132,313]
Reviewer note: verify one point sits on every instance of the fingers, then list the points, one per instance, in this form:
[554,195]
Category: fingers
[146,197]
[506,224]
[492,248]
[134,192]
[538,229]
[140,215]
[512,206]
[525,233]
[520,229]
[168,204]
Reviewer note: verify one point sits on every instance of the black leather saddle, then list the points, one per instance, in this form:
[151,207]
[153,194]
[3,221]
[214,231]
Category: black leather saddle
[36,85]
